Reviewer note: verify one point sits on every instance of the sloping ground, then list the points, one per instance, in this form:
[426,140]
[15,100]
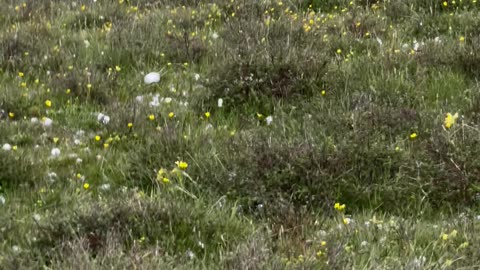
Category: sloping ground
[266,114]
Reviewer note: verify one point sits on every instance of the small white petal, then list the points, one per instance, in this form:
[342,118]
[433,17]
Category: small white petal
[220,103]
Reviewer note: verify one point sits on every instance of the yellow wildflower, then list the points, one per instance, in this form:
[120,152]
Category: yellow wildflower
[450,120]
[339,207]
[165,180]
[182,165]
[98,138]
[413,136]
[86,186]
[151,117]
[171,115]
[48,103]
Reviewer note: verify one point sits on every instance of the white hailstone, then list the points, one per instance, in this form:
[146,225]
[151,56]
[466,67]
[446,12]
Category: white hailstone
[47,122]
[7,147]
[34,120]
[52,177]
[220,102]
[347,220]
[55,152]
[167,100]
[103,118]
[16,249]
[105,187]
[155,101]
[190,254]
[152,77]
[2,200]
[269,119]
[37,217]
[197,76]
[139,99]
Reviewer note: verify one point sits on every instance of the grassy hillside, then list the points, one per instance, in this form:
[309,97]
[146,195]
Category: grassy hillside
[316,134]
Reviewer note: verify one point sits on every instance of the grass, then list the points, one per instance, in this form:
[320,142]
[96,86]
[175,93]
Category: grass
[281,135]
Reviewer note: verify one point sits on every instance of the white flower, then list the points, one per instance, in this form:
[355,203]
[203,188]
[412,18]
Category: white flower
[7,147]
[214,35]
[34,120]
[269,119]
[364,244]
[103,118]
[55,152]
[47,122]
[2,200]
[152,77]
[201,244]
[52,176]
[79,161]
[167,100]
[220,103]
[77,142]
[197,76]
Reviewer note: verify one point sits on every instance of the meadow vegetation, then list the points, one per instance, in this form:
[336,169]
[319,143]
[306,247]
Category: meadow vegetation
[297,134]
